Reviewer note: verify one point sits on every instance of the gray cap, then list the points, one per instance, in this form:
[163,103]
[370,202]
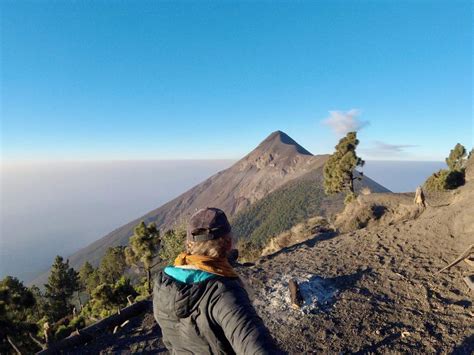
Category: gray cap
[207,224]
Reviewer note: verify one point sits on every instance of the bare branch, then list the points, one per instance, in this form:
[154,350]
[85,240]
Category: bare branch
[13,345]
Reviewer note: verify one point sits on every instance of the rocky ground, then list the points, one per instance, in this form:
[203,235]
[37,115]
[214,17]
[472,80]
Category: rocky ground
[376,289]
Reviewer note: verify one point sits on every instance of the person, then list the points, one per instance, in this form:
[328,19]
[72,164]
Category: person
[200,302]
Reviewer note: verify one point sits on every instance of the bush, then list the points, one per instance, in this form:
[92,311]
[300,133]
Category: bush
[77,323]
[62,332]
[172,243]
[455,179]
[445,180]
[349,198]
[249,250]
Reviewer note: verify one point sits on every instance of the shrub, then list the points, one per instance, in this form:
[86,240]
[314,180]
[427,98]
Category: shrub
[62,332]
[77,323]
[445,180]
[349,198]
[172,243]
[455,179]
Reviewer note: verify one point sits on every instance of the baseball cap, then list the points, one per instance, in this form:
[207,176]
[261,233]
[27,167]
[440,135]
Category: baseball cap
[207,224]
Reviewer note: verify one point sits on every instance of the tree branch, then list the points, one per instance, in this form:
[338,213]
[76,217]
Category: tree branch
[157,263]
[42,345]
[13,345]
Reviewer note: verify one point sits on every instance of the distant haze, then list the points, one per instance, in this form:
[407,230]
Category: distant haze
[59,207]
[401,176]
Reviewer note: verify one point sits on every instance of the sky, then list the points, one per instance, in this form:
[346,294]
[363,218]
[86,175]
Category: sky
[128,80]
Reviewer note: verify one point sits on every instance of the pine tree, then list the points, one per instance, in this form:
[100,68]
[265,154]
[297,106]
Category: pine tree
[172,243]
[143,249]
[112,265]
[89,278]
[454,176]
[339,168]
[456,158]
[16,303]
[63,281]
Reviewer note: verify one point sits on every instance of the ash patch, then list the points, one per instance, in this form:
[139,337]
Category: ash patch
[318,294]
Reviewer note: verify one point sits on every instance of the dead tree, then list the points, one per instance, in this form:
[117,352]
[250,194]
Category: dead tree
[420,197]
[464,256]
[295,294]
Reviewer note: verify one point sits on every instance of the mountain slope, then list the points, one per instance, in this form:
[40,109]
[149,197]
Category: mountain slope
[292,203]
[276,161]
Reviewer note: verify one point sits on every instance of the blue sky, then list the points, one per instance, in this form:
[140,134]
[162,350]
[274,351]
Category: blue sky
[173,80]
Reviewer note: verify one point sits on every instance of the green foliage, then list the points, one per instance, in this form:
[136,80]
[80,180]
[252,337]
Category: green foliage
[437,181]
[452,178]
[112,265]
[77,323]
[89,278]
[339,168]
[142,289]
[444,180]
[456,158]
[107,298]
[63,281]
[172,243]
[16,304]
[351,196]
[277,212]
[62,332]
[143,249]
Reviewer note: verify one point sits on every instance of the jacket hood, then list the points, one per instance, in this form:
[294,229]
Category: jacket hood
[186,275]
[178,298]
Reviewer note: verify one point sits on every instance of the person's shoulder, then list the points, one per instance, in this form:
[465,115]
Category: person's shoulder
[227,285]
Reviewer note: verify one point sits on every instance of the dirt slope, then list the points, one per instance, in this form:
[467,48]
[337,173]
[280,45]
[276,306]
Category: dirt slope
[377,285]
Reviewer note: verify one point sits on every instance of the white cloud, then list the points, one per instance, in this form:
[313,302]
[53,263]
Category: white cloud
[384,150]
[343,122]
[393,148]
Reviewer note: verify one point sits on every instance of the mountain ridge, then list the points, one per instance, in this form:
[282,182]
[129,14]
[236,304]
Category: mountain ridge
[277,160]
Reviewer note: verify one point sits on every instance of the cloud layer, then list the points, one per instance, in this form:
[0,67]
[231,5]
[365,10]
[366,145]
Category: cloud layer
[343,122]
[394,148]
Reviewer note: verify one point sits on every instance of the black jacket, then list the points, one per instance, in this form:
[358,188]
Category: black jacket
[209,317]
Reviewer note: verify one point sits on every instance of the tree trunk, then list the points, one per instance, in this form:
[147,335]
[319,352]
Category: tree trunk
[148,280]
[351,182]
[13,345]
[79,299]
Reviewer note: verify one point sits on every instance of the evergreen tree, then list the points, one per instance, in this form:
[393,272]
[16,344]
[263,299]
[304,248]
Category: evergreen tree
[339,168]
[172,243]
[454,176]
[63,281]
[89,278]
[456,158]
[110,297]
[112,265]
[143,249]
[39,310]
[16,304]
